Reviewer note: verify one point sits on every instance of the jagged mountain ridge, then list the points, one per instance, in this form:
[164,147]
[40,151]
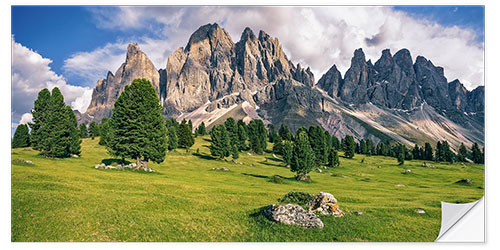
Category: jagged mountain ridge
[212,78]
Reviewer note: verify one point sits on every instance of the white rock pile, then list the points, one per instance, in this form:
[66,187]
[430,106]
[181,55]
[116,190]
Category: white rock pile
[122,167]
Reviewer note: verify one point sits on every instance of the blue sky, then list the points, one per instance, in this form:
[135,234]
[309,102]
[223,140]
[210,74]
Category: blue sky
[73,47]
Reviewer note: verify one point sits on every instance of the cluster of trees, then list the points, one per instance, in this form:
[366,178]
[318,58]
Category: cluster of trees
[54,129]
[92,131]
[231,138]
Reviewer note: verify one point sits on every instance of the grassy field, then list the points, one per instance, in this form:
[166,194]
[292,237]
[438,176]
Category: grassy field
[69,200]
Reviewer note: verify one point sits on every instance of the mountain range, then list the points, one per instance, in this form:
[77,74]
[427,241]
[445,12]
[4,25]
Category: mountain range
[212,78]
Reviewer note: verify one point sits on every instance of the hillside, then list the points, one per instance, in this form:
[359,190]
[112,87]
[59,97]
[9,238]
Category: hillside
[69,200]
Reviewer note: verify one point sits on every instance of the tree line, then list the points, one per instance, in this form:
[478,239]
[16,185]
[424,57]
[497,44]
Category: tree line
[138,130]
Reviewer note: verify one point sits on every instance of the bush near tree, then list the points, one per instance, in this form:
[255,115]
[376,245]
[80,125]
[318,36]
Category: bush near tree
[138,129]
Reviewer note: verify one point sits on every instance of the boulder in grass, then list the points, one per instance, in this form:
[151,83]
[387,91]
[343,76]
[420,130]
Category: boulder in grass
[292,214]
[465,181]
[325,203]
[419,211]
[399,185]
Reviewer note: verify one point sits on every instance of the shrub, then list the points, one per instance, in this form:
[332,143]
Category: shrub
[300,198]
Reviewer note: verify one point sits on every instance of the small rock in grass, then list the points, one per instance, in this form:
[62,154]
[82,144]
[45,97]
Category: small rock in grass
[379,167]
[74,155]
[319,170]
[465,181]
[251,164]
[241,163]
[27,149]
[428,165]
[408,171]
[419,211]
[249,153]
[481,187]
[399,185]
[358,213]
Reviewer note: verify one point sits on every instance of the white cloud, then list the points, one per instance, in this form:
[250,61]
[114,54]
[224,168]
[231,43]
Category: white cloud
[30,74]
[26,118]
[314,36]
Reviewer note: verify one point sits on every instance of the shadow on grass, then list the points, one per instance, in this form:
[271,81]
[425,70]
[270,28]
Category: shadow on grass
[271,164]
[274,159]
[256,175]
[207,140]
[205,157]
[112,161]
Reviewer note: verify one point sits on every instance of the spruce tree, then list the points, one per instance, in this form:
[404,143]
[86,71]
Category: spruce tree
[401,158]
[349,146]
[93,130]
[335,142]
[185,136]
[242,138]
[73,133]
[333,158]
[362,146]
[83,131]
[300,129]
[235,152]
[244,125]
[328,140]
[257,135]
[219,146]
[21,137]
[370,147]
[318,144]
[190,124]
[285,133]
[476,154]
[303,155]
[287,152]
[232,131]
[201,129]
[137,125]
[271,133]
[172,140]
[428,152]
[105,131]
[39,133]
[462,153]
[278,145]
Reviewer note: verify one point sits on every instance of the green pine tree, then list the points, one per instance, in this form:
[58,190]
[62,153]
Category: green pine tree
[303,156]
[21,137]
[333,158]
[257,135]
[232,130]
[287,152]
[428,152]
[335,142]
[349,146]
[285,133]
[185,136]
[39,133]
[73,132]
[202,130]
[83,131]
[219,146]
[105,131]
[137,126]
[278,145]
[172,140]
[93,130]
[235,152]
[190,124]
[462,153]
[362,147]
[476,154]
[318,144]
[242,138]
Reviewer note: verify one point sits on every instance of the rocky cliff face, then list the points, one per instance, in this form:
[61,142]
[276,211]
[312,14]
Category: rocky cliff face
[213,78]
[136,65]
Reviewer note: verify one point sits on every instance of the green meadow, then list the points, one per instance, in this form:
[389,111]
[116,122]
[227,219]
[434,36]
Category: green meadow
[70,200]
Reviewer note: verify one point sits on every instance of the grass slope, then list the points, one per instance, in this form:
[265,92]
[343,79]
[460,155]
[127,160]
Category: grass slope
[69,200]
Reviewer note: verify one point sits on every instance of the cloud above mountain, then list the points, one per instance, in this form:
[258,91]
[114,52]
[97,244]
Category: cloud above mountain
[313,36]
[30,74]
